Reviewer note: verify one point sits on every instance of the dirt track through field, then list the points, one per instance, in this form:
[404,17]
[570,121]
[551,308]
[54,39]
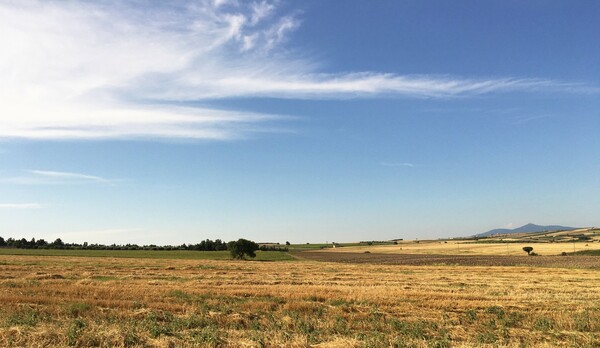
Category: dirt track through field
[585,262]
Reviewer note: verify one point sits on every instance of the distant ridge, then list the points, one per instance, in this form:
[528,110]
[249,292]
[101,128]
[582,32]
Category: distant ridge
[526,229]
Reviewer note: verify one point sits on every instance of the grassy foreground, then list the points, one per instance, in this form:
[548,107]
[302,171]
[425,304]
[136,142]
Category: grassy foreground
[134,302]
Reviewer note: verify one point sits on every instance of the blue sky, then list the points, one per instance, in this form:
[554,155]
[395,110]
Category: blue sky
[304,121]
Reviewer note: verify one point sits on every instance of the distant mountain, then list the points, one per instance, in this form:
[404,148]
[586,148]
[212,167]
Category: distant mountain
[526,229]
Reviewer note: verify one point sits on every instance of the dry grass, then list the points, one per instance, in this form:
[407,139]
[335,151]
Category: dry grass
[62,301]
[470,248]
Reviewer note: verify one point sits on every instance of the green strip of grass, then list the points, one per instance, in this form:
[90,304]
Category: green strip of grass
[147,254]
[587,252]
[301,247]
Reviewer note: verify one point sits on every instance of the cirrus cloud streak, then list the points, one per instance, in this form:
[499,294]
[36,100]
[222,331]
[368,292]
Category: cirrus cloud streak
[117,70]
[51,177]
[20,206]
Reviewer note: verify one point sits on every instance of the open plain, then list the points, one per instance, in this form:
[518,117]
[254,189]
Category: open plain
[472,248]
[135,302]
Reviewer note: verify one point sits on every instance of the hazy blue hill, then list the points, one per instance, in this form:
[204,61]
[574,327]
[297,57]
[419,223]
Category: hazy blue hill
[526,229]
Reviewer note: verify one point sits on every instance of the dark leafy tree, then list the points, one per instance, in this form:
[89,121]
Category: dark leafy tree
[40,243]
[24,243]
[241,248]
[287,243]
[58,244]
[2,242]
[528,250]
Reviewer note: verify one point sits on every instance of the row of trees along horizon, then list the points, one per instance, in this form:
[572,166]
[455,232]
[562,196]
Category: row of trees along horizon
[205,245]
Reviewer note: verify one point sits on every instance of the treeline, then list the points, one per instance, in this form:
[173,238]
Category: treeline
[272,248]
[384,242]
[205,245]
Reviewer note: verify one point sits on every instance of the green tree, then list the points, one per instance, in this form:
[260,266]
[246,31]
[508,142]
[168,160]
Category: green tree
[40,243]
[58,244]
[528,250]
[242,247]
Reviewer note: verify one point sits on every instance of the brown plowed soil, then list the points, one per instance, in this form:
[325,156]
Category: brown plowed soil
[588,262]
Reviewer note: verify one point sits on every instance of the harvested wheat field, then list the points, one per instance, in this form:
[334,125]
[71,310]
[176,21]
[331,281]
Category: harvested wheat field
[470,248]
[79,301]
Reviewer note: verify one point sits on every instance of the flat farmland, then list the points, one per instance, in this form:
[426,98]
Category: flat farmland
[469,248]
[578,261]
[137,302]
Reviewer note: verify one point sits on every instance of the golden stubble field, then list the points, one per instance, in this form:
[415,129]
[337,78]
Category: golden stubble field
[470,248]
[78,301]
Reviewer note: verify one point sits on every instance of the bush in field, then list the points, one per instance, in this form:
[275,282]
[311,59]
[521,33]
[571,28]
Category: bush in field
[528,250]
[242,247]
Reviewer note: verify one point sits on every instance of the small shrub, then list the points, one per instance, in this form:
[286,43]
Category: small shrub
[11,284]
[180,295]
[587,321]
[74,331]
[411,329]
[24,317]
[76,309]
[512,319]
[497,310]
[338,302]
[159,324]
[131,339]
[487,337]
[443,340]
[208,337]
[543,324]
[471,316]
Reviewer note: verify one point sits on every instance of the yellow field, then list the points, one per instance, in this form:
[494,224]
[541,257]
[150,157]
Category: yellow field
[470,248]
[77,301]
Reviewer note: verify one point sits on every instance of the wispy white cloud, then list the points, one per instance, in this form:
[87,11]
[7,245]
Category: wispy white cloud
[261,10]
[95,70]
[47,177]
[528,118]
[397,164]
[69,176]
[20,206]
[330,86]
[115,69]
